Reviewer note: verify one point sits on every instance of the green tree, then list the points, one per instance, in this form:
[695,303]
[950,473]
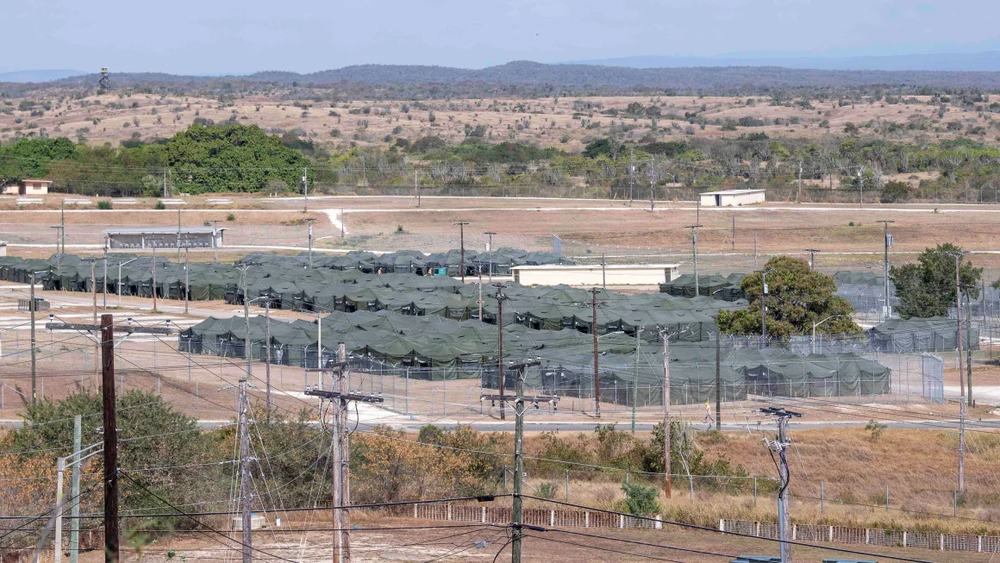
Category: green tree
[797,297]
[152,436]
[927,288]
[232,158]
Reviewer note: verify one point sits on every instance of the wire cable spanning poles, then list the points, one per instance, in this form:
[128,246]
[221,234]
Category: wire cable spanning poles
[780,446]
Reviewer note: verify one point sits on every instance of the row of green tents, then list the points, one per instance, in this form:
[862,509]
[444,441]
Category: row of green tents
[439,348]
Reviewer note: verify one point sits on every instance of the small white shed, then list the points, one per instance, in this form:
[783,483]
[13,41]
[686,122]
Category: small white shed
[731,198]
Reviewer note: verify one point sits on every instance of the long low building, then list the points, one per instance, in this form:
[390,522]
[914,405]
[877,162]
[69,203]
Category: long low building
[594,275]
[164,237]
[731,198]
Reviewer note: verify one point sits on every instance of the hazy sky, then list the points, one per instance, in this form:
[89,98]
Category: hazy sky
[212,36]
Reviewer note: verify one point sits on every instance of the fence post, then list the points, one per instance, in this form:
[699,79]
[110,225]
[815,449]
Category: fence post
[821,497]
[567,485]
[887,499]
[755,490]
[955,503]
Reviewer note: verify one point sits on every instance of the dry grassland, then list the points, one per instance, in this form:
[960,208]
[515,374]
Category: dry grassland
[544,121]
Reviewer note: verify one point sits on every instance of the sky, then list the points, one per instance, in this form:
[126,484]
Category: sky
[225,36]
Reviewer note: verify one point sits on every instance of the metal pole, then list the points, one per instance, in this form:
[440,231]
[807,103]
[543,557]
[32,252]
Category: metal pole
[718,381]
[694,253]
[500,375]
[34,376]
[635,378]
[666,410]
[74,525]
[247,350]
[958,313]
[57,544]
[517,514]
[763,307]
[784,518]
[105,282]
[597,369]
[154,278]
[187,279]
[310,245]
[110,440]
[267,357]
[245,485]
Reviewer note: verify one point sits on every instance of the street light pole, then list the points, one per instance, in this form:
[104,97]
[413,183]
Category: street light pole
[886,310]
[489,249]
[694,252]
[812,257]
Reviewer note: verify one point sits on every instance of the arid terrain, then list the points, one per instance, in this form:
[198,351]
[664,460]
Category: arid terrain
[568,123]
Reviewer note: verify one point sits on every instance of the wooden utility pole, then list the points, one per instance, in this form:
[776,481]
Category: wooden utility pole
[345,454]
[246,498]
[340,449]
[666,410]
[110,439]
[597,369]
[461,235]
[500,299]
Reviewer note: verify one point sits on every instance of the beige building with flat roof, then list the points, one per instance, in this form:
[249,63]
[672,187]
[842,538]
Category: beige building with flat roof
[731,198]
[595,275]
[28,187]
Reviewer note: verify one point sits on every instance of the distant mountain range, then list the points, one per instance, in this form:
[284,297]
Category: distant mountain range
[963,62]
[537,79]
[24,76]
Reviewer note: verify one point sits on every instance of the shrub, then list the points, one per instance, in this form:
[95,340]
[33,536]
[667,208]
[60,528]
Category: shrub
[640,500]
[547,491]
[895,191]
[104,204]
[230,217]
[159,205]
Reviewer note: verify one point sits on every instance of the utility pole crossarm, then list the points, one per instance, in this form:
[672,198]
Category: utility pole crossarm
[331,395]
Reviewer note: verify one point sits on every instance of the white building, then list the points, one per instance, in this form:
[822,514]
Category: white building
[28,187]
[594,275]
[164,237]
[731,198]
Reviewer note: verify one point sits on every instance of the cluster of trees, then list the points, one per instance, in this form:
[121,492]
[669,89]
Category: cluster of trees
[204,158]
[236,158]
[798,297]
